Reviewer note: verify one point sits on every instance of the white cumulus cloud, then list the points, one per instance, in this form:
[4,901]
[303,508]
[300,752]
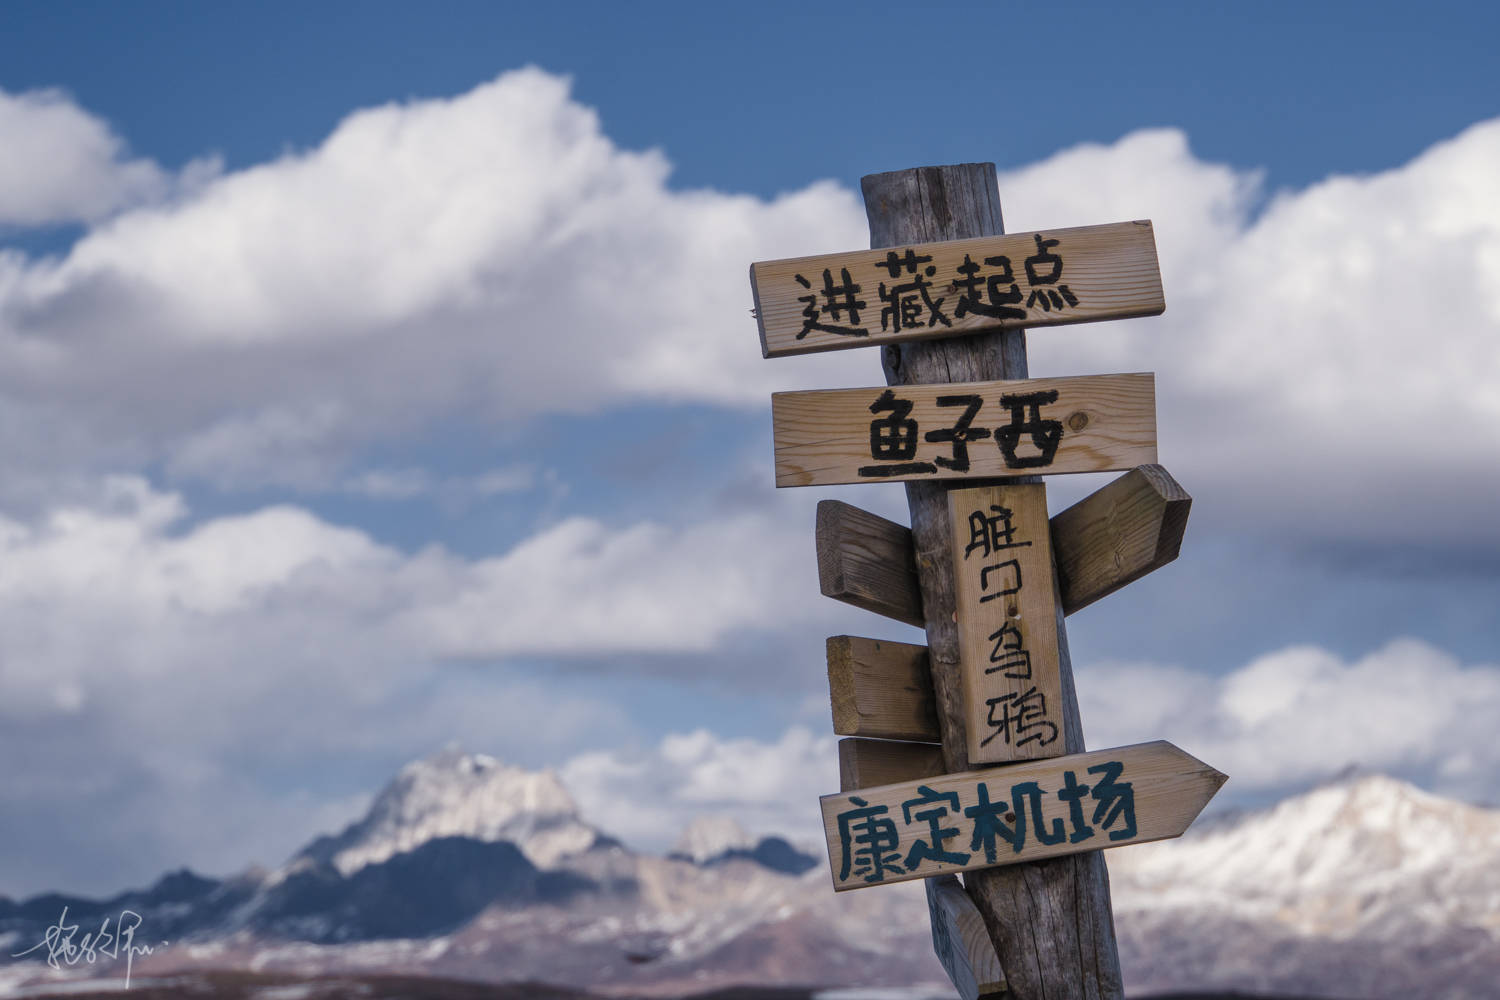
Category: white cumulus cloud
[63,164]
[1326,366]
[152,667]
[649,796]
[1326,369]
[1303,714]
[493,255]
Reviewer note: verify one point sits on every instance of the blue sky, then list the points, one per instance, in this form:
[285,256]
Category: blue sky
[374,378]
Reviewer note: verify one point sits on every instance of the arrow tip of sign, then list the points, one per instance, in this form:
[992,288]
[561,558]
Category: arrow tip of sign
[1211,776]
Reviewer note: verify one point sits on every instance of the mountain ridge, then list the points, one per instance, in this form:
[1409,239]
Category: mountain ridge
[1365,883]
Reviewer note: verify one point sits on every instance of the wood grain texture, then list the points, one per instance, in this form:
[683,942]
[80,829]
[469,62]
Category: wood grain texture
[1108,272]
[881,689]
[961,942]
[867,763]
[1014,814]
[1096,422]
[867,561]
[1007,622]
[1118,534]
[1114,536]
[1050,922]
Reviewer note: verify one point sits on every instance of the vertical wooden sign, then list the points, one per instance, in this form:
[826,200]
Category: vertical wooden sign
[1007,622]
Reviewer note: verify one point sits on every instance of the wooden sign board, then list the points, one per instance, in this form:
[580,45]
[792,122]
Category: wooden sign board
[866,297]
[1020,812]
[961,942]
[867,763]
[1007,622]
[1114,536]
[964,430]
[881,688]
[1118,534]
[868,561]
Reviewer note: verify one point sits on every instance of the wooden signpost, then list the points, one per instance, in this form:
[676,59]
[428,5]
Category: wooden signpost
[945,289]
[967,755]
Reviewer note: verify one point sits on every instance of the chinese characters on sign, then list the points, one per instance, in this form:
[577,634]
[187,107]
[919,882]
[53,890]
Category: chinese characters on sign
[1007,622]
[872,847]
[895,436]
[941,289]
[958,430]
[978,819]
[907,303]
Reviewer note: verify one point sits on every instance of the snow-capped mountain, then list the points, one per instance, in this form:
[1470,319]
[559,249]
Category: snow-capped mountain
[709,837]
[455,794]
[715,840]
[1364,888]
[1374,842]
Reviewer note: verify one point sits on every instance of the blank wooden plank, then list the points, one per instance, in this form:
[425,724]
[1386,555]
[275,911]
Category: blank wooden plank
[867,297]
[1007,622]
[961,942]
[964,430]
[881,689]
[1020,812]
[867,763]
[1118,534]
[1115,535]
[867,561]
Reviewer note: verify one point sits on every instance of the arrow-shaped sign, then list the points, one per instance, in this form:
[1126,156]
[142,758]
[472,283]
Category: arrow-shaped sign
[1114,536]
[1014,813]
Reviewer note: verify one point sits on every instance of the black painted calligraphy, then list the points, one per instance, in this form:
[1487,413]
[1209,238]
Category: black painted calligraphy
[1029,440]
[1026,421]
[992,532]
[1007,655]
[840,304]
[1000,297]
[1019,718]
[960,434]
[908,303]
[894,438]
[1046,293]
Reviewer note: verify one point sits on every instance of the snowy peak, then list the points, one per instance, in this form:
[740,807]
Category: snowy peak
[1362,854]
[710,837]
[713,840]
[456,794]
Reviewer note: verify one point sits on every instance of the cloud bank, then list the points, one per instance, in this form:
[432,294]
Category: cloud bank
[494,256]
[1302,714]
[64,165]
[1275,725]
[1327,373]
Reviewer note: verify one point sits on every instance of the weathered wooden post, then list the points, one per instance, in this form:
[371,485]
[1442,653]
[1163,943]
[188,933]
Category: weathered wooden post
[994,685]
[1050,921]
